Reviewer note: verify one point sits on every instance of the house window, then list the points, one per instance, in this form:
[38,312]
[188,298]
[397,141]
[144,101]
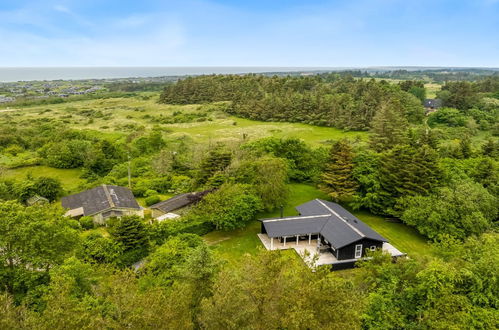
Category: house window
[358,251]
[373,247]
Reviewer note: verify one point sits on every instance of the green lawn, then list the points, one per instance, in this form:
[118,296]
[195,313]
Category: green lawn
[232,245]
[403,237]
[70,178]
[432,89]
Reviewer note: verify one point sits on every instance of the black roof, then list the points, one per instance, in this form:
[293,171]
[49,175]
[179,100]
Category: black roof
[331,220]
[179,201]
[432,103]
[101,198]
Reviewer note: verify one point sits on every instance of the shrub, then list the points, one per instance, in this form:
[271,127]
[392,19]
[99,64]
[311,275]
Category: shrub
[87,222]
[230,207]
[74,224]
[150,193]
[152,200]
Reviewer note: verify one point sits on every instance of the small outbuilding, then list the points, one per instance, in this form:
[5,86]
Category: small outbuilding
[179,203]
[101,203]
[36,200]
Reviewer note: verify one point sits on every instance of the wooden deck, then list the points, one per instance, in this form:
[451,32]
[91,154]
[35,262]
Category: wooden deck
[311,256]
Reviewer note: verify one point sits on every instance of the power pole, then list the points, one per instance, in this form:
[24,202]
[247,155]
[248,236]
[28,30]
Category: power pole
[129,172]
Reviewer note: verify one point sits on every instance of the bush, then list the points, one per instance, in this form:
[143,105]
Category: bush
[161,231]
[13,150]
[99,249]
[461,210]
[150,193]
[74,224]
[152,200]
[230,207]
[87,222]
[447,116]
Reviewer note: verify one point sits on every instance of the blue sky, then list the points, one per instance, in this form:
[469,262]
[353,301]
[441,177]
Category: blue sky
[335,33]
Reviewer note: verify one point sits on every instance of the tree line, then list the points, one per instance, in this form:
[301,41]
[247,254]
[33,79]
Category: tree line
[340,102]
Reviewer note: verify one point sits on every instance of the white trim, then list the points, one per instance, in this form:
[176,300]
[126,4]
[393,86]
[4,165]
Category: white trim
[298,218]
[358,252]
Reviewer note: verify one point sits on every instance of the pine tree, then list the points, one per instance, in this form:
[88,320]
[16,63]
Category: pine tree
[407,171]
[465,147]
[216,160]
[490,148]
[337,180]
[388,127]
[131,232]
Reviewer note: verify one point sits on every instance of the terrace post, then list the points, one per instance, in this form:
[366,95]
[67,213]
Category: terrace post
[271,243]
[309,238]
[284,241]
[297,239]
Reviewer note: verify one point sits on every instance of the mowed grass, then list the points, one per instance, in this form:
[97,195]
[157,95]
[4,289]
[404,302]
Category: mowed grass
[70,178]
[121,116]
[432,89]
[232,245]
[403,237]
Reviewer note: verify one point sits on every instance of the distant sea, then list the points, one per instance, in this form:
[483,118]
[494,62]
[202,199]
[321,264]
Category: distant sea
[74,73]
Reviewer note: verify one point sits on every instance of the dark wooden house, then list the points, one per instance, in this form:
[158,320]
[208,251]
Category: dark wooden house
[335,229]
[432,105]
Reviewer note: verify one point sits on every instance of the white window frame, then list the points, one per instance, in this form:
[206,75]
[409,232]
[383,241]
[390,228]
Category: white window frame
[373,247]
[358,251]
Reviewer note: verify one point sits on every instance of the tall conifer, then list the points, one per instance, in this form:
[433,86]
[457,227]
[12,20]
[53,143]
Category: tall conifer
[389,127]
[337,180]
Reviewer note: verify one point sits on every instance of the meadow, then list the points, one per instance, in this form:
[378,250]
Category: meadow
[117,117]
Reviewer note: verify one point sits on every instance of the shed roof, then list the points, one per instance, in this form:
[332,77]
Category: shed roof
[101,198]
[331,220]
[179,201]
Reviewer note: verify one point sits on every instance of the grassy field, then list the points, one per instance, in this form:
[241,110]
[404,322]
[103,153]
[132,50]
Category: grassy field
[233,244]
[119,116]
[432,89]
[70,178]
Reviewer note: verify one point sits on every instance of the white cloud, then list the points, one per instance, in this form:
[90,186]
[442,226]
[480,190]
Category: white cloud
[162,47]
[62,9]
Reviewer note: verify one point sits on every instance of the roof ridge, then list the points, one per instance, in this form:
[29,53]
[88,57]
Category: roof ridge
[297,217]
[108,196]
[341,218]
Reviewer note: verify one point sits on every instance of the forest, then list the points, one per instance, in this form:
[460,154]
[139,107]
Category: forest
[381,153]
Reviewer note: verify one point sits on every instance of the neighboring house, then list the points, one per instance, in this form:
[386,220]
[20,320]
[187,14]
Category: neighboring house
[36,199]
[179,203]
[102,202]
[432,105]
[327,232]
